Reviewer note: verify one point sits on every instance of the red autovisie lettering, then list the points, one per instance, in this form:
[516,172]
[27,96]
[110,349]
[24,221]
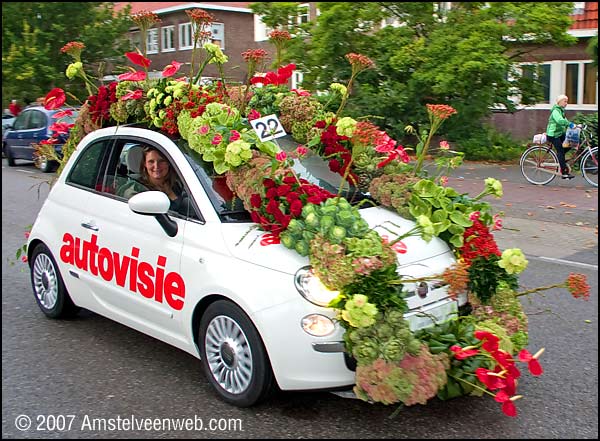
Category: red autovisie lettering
[149,281]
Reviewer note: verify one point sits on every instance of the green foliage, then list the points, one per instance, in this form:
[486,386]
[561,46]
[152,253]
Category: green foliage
[33,34]
[592,50]
[465,60]
[461,374]
[486,143]
[485,276]
[591,120]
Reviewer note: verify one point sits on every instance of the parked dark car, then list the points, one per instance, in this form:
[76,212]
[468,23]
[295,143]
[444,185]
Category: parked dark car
[29,128]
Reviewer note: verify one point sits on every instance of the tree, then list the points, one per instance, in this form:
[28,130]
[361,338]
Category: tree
[464,57]
[34,33]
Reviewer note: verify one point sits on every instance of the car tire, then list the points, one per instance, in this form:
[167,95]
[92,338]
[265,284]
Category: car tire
[45,165]
[9,158]
[48,286]
[233,355]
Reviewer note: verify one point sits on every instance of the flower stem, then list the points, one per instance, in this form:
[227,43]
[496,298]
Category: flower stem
[541,288]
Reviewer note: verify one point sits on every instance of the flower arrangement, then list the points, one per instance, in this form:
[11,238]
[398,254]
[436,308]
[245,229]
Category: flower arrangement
[477,352]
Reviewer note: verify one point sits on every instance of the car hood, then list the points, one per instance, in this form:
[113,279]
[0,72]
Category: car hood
[248,243]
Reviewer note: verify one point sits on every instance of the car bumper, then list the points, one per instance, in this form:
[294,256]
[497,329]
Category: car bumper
[299,360]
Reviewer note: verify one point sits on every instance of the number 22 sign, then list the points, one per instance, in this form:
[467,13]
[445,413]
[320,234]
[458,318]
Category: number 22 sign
[268,127]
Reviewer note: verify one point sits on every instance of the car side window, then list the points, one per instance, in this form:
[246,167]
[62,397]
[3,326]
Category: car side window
[37,120]
[88,170]
[21,121]
[123,176]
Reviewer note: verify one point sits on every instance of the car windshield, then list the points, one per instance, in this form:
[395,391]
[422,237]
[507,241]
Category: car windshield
[312,168]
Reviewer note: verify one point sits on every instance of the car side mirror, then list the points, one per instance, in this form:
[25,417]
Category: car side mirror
[154,203]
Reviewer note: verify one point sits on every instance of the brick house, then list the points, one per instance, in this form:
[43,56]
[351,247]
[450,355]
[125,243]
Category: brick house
[170,40]
[566,70]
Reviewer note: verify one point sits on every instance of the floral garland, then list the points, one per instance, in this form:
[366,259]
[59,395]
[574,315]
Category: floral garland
[476,353]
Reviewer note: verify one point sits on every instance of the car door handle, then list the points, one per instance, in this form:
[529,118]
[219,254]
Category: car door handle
[89,226]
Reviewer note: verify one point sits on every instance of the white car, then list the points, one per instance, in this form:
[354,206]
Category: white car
[203,279]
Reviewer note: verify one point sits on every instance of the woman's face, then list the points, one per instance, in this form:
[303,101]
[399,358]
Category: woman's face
[563,102]
[156,166]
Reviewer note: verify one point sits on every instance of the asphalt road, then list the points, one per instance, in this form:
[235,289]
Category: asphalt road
[71,379]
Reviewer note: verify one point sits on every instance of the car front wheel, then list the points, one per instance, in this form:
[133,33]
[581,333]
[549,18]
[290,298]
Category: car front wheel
[50,292]
[233,356]
[44,164]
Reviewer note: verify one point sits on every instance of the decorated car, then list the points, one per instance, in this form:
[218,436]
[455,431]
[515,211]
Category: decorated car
[329,258]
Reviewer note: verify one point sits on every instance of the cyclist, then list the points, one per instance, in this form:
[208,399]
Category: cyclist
[556,131]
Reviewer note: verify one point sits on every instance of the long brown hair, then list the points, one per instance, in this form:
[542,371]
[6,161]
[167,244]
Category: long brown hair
[171,177]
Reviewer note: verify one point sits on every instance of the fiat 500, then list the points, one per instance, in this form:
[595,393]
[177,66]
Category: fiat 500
[203,278]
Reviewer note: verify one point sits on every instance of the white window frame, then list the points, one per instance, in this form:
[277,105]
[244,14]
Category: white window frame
[186,32]
[558,85]
[168,38]
[152,41]
[222,39]
[577,101]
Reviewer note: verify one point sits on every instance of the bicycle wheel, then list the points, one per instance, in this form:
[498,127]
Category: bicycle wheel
[539,164]
[589,166]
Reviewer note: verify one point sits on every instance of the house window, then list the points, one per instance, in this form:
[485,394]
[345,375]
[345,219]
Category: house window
[168,34]
[590,84]
[303,13]
[541,73]
[302,16]
[218,35]
[581,84]
[152,41]
[136,40]
[578,8]
[186,38]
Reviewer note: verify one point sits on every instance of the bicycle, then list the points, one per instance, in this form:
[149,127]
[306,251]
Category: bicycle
[539,162]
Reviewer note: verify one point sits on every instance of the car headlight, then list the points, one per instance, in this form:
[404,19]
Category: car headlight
[311,287]
[317,325]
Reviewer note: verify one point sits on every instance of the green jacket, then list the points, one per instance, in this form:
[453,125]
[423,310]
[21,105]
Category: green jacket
[557,123]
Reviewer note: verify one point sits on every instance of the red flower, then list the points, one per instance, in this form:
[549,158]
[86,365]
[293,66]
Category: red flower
[133,95]
[490,341]
[171,69]
[133,76]
[461,353]
[508,405]
[532,361]
[253,115]
[138,59]
[61,128]
[255,200]
[62,114]
[490,378]
[55,98]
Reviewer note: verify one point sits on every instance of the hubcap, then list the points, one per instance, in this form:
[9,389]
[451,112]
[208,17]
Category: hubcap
[228,354]
[45,282]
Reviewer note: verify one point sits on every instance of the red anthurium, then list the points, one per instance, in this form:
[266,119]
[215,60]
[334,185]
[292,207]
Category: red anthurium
[55,98]
[62,114]
[133,95]
[532,361]
[490,341]
[138,59]
[49,141]
[133,76]
[491,380]
[508,405]
[61,128]
[171,69]
[462,353]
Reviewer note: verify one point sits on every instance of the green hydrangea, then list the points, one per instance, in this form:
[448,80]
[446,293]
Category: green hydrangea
[513,261]
[359,312]
[345,126]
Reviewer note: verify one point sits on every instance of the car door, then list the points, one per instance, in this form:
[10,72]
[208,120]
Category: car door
[30,131]
[136,278]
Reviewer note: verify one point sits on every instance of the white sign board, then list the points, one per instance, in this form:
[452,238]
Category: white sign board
[268,127]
